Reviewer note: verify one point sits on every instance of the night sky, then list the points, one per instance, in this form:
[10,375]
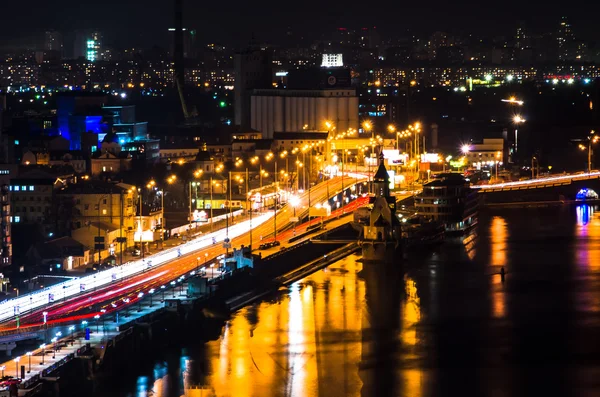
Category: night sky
[144,22]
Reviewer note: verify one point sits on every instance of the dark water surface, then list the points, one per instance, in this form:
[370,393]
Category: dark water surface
[444,324]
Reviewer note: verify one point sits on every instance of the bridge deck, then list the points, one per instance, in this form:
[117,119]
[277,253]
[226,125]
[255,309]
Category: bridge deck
[538,183]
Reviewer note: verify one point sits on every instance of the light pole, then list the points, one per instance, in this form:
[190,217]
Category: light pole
[3,368]
[98,205]
[97,318]
[162,287]
[140,228]
[53,340]
[276,192]
[151,292]
[591,140]
[43,347]
[29,355]
[517,120]
[140,296]
[211,204]
[294,201]
[17,366]
[72,329]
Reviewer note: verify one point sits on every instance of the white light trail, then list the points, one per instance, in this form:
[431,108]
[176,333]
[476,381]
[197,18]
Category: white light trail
[540,180]
[38,299]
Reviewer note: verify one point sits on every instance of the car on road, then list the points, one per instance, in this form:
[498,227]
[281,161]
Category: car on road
[268,245]
[9,380]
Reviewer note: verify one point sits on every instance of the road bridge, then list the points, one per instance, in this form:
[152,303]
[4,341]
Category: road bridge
[558,188]
[115,289]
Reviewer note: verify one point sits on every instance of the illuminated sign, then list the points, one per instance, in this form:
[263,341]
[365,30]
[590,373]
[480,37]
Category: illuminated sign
[394,157]
[145,236]
[392,174]
[200,216]
[332,61]
[430,158]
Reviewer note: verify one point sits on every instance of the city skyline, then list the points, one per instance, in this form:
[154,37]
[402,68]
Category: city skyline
[127,24]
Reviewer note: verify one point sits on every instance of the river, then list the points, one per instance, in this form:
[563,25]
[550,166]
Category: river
[444,323]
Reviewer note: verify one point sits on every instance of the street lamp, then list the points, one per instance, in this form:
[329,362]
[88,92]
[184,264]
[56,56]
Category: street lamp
[268,157]
[29,355]
[17,366]
[97,318]
[517,119]
[3,368]
[151,292]
[53,340]
[72,329]
[43,347]
[294,201]
[591,140]
[173,285]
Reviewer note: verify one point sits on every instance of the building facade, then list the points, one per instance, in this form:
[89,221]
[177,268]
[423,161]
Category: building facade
[297,110]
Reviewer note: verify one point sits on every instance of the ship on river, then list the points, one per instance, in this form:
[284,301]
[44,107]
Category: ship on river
[449,199]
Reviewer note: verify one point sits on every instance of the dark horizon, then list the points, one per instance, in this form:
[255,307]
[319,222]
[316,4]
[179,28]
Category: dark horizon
[127,23]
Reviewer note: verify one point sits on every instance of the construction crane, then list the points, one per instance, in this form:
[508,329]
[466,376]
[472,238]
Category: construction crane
[178,57]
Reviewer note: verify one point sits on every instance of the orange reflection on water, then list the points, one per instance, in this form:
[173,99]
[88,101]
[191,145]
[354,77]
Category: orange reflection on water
[498,238]
[411,313]
[412,378]
[302,344]
[587,255]
[587,230]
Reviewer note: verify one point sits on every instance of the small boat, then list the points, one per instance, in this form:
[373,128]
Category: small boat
[420,232]
[586,195]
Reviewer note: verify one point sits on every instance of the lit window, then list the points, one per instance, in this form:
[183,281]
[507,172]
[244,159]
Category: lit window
[17,188]
[16,141]
[23,188]
[104,212]
[17,219]
[103,169]
[31,188]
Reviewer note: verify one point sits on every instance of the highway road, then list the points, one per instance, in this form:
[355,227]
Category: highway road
[127,291]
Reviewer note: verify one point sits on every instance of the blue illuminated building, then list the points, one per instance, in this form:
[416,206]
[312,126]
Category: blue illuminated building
[84,120]
[80,113]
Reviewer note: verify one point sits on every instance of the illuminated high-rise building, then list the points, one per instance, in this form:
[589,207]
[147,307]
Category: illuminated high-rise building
[53,41]
[565,40]
[88,45]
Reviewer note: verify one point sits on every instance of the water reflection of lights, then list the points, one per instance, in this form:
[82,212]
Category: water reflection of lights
[584,214]
[469,242]
[142,386]
[412,378]
[587,255]
[296,357]
[498,238]
[412,313]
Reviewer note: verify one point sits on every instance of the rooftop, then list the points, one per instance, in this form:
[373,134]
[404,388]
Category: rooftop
[313,135]
[96,187]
